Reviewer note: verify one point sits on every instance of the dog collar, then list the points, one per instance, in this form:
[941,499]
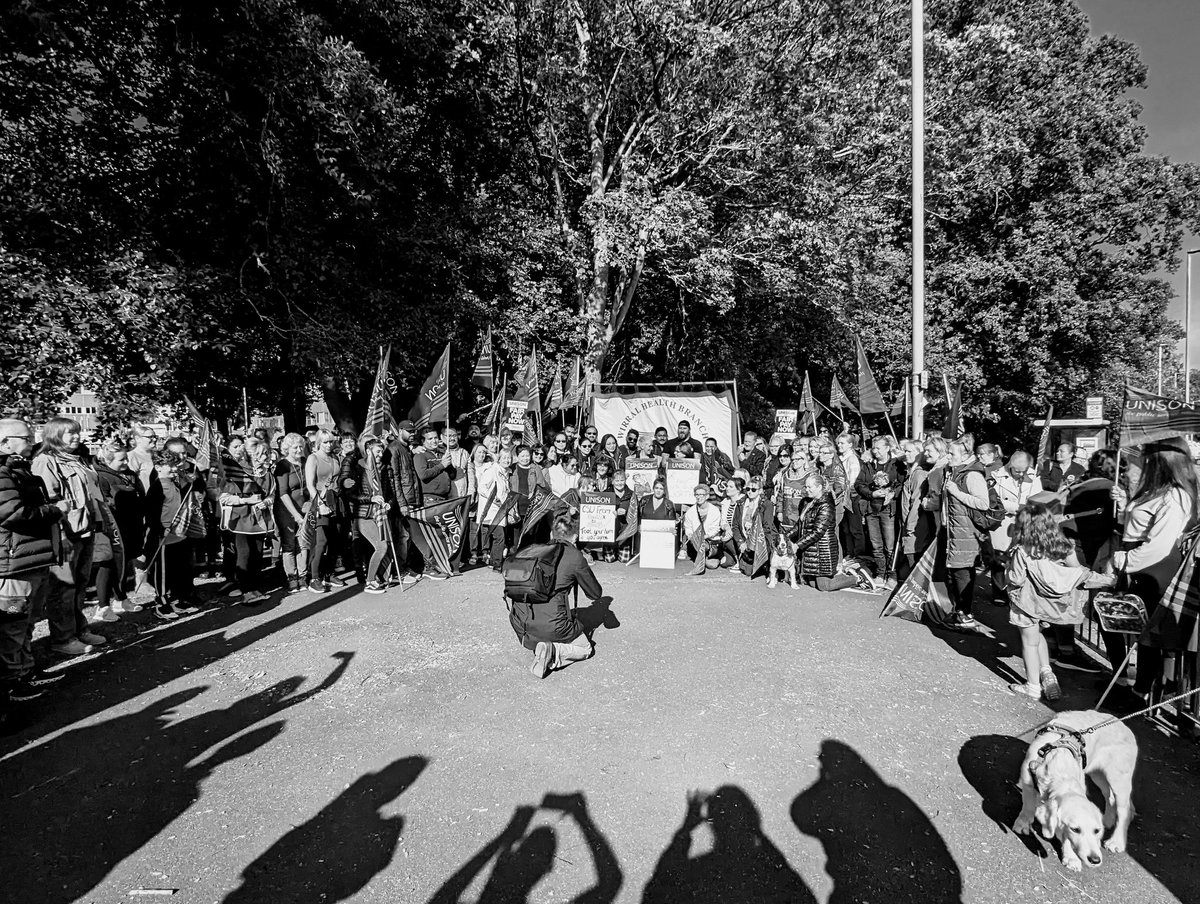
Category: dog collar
[1068,739]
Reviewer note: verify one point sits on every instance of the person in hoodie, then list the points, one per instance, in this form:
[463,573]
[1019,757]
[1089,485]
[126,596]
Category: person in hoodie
[1046,583]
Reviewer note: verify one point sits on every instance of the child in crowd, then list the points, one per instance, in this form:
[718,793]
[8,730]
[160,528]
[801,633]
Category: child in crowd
[1046,583]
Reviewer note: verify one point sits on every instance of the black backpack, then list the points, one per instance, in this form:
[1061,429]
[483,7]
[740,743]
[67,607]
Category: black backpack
[992,517]
[529,574]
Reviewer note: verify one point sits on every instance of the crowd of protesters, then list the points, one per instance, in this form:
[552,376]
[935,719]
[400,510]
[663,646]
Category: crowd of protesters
[139,521]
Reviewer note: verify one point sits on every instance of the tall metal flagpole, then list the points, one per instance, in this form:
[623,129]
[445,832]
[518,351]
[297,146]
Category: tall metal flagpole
[1187,330]
[918,217]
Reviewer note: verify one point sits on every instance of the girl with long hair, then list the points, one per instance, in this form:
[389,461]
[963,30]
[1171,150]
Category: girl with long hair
[366,486]
[1045,584]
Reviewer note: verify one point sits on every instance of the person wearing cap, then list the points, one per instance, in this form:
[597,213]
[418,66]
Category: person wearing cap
[683,435]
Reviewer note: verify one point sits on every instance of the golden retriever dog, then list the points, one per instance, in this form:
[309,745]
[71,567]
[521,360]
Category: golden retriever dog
[783,560]
[1054,790]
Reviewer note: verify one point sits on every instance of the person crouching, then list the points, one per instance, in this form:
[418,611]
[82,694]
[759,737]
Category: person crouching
[551,629]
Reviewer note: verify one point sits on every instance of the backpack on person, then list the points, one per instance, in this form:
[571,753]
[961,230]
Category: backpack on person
[992,517]
[529,575]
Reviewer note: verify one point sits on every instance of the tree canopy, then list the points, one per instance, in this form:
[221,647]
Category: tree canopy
[198,198]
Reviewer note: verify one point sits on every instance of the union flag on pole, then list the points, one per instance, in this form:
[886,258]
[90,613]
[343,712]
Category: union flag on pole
[433,401]
[443,526]
[380,419]
[1043,452]
[208,456]
[870,399]
[541,503]
[953,428]
[808,408]
[920,595]
[573,394]
[554,402]
[485,375]
[837,396]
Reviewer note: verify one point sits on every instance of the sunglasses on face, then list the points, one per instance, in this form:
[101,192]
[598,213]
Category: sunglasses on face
[560,440]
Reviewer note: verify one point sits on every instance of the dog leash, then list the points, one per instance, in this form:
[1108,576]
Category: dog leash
[1114,719]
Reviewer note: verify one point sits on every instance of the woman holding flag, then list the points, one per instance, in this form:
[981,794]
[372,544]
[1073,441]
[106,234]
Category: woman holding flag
[365,486]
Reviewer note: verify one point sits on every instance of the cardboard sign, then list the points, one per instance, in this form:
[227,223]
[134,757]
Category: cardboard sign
[785,422]
[682,476]
[597,518]
[515,415]
[656,545]
[640,474]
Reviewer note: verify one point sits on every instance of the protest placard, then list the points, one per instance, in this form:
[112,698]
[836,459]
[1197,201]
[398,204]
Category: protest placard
[785,422]
[640,474]
[597,518]
[515,415]
[682,476]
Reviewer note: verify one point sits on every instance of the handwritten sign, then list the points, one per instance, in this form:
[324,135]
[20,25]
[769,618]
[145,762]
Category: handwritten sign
[785,422]
[682,476]
[515,419]
[640,474]
[597,518]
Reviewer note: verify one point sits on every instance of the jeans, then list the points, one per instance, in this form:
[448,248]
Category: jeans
[22,599]
[173,571]
[64,602]
[835,582]
[497,545]
[372,532]
[881,527]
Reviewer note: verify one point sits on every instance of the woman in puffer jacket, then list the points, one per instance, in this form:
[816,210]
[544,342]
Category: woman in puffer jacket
[815,537]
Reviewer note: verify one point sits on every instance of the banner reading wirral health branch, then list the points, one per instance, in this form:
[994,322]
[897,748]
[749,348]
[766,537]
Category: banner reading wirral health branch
[710,414]
[1147,417]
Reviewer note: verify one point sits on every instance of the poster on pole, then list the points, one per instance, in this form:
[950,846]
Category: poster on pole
[515,415]
[640,474]
[785,422]
[597,518]
[683,474]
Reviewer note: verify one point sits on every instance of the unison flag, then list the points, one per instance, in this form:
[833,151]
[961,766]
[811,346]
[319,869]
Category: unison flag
[541,503]
[631,521]
[900,406]
[1043,452]
[953,428]
[698,544]
[442,526]
[484,376]
[208,456]
[757,541]
[837,396]
[554,401]
[433,401]
[921,595]
[808,408]
[573,394]
[380,419]
[870,399]
[1146,417]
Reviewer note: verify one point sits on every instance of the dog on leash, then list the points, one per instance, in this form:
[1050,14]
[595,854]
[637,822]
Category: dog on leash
[1054,790]
[783,561]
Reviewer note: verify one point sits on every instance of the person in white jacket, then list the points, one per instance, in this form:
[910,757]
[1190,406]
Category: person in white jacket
[494,489]
[1015,484]
[702,530]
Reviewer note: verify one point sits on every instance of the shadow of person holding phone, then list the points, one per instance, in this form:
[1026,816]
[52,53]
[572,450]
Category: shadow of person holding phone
[743,865]
[522,858]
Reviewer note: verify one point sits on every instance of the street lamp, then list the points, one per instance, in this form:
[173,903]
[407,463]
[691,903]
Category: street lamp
[1187,329]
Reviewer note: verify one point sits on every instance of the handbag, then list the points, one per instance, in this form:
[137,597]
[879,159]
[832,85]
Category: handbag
[102,549]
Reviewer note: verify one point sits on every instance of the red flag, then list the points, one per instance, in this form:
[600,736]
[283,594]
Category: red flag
[808,408]
[698,544]
[921,595]
[433,401]
[757,541]
[837,396]
[380,419]
[573,394]
[554,402]
[1043,453]
[631,520]
[953,428]
[484,375]
[870,399]
[442,526]
[541,503]
[1146,417]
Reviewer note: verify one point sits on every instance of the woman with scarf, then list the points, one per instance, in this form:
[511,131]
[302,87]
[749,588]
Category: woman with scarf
[289,505]
[320,476]
[365,487]
[126,502]
[69,479]
[246,514]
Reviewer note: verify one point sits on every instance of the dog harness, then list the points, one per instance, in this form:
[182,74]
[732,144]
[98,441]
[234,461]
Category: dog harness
[1068,739]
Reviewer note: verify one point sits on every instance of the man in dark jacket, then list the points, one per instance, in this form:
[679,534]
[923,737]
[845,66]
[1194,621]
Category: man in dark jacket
[750,457]
[431,468]
[28,547]
[683,437]
[551,629]
[406,490]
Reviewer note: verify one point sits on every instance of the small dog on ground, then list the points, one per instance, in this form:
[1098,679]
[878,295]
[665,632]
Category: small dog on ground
[1054,791]
[783,560]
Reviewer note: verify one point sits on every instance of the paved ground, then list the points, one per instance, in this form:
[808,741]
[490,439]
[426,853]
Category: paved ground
[396,749]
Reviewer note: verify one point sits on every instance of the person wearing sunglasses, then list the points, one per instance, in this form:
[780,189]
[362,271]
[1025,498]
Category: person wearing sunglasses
[558,450]
[588,455]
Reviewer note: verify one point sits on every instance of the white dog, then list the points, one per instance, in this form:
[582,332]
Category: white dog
[1054,792]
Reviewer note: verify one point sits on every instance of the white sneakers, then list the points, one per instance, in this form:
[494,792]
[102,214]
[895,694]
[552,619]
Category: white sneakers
[105,614]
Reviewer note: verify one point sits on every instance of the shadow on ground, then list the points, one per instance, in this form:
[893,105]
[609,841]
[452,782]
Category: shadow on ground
[90,797]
